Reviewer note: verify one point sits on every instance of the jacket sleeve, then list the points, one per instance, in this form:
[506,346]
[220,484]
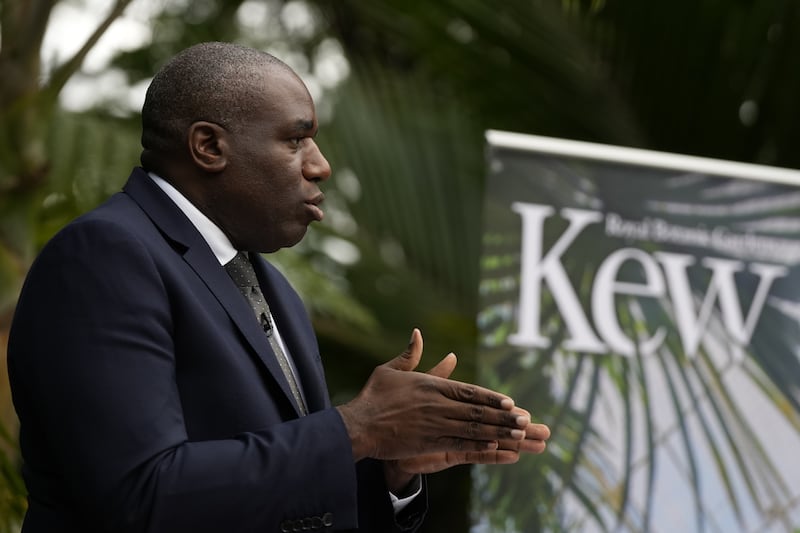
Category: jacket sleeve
[374,505]
[93,371]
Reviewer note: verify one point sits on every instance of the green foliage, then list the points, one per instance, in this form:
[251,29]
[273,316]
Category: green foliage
[12,489]
[427,79]
[698,78]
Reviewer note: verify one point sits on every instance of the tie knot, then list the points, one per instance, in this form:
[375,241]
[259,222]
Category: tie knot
[241,270]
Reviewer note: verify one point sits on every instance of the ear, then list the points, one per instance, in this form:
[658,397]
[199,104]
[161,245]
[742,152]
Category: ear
[208,146]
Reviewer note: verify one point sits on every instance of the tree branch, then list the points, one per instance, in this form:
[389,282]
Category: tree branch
[63,73]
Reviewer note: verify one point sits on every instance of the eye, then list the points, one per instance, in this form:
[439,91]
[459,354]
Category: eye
[296,142]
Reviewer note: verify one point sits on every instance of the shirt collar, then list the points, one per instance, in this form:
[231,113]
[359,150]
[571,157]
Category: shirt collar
[214,236]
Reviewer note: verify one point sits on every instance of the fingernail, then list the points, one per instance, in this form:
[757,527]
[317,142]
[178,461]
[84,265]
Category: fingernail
[523,421]
[507,403]
[492,445]
[411,340]
[517,434]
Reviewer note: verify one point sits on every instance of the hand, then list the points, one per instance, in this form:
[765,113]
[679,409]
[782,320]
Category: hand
[400,472]
[507,452]
[401,414]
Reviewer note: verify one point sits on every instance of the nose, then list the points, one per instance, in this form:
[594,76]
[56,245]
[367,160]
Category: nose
[315,166]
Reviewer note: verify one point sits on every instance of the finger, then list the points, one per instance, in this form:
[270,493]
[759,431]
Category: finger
[461,445]
[445,367]
[521,411]
[534,442]
[463,411]
[436,462]
[453,433]
[533,431]
[496,457]
[537,432]
[473,394]
[522,446]
[489,457]
[479,422]
[409,359]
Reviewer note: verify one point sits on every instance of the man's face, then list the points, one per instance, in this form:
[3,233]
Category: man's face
[268,193]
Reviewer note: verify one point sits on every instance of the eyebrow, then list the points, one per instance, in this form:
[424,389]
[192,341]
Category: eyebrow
[304,125]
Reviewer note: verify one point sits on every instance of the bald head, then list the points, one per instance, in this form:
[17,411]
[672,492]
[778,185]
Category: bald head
[214,82]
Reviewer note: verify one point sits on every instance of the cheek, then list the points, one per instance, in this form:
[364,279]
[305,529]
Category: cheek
[271,190]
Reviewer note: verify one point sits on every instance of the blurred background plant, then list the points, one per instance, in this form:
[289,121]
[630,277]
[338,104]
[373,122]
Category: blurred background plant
[405,90]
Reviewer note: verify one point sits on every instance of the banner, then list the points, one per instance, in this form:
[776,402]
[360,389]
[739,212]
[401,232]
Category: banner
[647,307]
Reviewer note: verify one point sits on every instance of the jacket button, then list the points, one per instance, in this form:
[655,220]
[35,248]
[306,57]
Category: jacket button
[327,519]
[286,526]
[316,522]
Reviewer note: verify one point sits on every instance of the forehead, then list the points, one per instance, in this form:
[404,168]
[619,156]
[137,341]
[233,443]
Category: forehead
[282,96]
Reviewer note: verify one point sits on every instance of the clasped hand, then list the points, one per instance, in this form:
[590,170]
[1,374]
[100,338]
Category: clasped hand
[425,422]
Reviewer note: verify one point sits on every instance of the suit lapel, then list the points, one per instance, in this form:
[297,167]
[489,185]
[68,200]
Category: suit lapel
[198,255]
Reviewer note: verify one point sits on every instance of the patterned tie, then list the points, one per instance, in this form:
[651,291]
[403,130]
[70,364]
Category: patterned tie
[241,271]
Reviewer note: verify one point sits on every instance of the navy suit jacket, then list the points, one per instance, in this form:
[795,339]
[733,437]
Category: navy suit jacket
[150,400]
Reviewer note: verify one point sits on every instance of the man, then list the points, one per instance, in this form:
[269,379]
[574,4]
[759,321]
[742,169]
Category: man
[153,396]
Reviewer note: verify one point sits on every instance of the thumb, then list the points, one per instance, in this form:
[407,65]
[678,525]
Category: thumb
[445,367]
[409,359]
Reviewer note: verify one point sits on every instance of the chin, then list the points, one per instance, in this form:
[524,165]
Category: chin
[287,241]
[297,238]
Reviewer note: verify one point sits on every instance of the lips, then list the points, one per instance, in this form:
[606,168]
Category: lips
[313,206]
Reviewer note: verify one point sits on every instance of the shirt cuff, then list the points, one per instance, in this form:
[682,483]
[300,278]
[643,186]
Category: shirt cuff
[413,490]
